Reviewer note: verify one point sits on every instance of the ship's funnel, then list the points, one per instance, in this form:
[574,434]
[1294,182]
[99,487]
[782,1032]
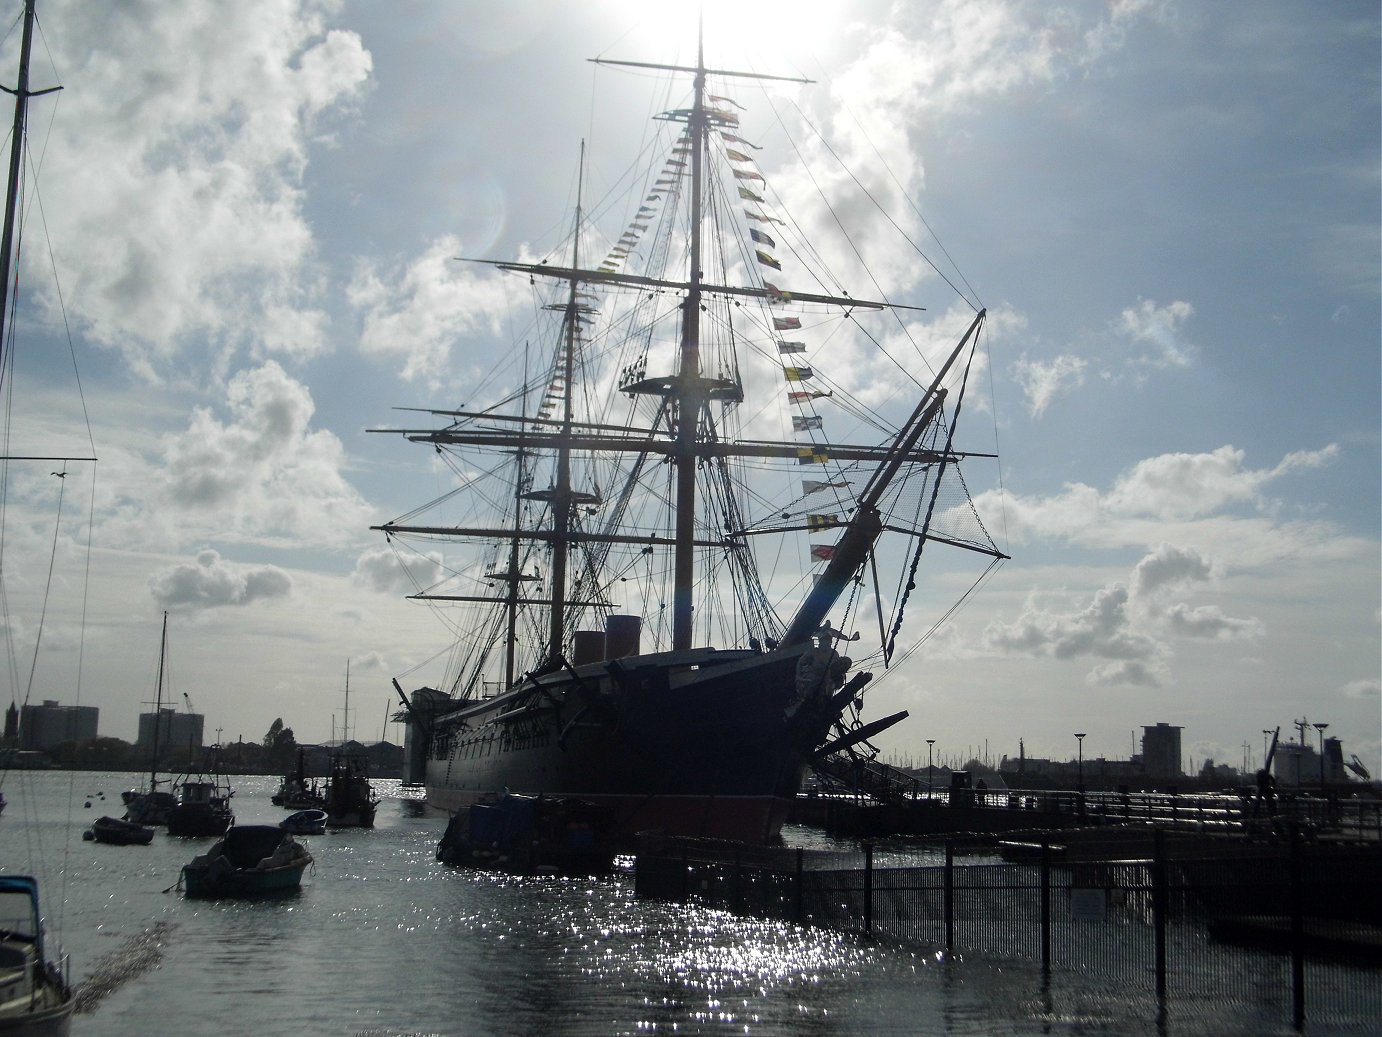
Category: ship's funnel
[587,646]
[622,634]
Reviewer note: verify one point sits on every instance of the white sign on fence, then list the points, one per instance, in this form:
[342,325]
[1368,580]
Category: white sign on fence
[1088,905]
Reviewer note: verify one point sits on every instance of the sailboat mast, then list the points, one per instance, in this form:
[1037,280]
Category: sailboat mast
[17,137]
[345,720]
[158,704]
[689,393]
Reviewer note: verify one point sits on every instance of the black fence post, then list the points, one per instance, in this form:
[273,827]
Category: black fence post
[949,895]
[1160,905]
[801,873]
[1297,930]
[868,888]
[1046,906]
[737,904]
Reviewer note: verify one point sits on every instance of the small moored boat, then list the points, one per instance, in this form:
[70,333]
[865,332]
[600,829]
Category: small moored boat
[305,822]
[115,832]
[35,997]
[248,861]
[297,791]
[203,801]
[148,804]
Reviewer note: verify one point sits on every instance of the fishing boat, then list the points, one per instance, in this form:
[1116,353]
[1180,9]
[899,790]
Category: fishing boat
[296,791]
[150,805]
[35,995]
[630,631]
[203,800]
[305,822]
[116,832]
[248,861]
[350,799]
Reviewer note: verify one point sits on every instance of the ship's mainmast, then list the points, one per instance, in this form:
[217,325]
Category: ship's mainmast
[560,495]
[688,393]
[690,399]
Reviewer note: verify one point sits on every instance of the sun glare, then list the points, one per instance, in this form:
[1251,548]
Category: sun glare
[769,36]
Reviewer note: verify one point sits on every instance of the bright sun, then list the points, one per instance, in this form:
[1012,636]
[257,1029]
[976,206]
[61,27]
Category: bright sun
[764,36]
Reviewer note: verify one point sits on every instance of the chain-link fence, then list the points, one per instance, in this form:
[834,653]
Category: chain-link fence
[1289,927]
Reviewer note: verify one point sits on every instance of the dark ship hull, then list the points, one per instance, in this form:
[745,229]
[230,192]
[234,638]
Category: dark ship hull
[696,743]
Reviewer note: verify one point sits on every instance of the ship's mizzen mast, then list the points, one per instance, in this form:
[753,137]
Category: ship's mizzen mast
[513,576]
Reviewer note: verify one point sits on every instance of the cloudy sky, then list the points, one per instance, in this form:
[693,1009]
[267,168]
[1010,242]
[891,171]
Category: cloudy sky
[240,238]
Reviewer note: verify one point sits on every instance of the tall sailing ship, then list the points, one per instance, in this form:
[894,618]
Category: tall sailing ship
[627,629]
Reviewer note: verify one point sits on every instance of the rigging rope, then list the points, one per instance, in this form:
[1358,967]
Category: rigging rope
[930,510]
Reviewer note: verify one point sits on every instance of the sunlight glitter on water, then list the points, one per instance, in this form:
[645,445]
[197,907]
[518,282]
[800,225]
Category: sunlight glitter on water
[384,940]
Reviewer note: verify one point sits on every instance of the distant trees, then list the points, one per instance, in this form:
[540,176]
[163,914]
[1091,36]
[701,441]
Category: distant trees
[280,746]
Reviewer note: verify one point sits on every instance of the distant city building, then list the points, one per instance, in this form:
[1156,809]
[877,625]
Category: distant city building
[1220,773]
[1096,771]
[1161,751]
[1295,764]
[175,730]
[43,727]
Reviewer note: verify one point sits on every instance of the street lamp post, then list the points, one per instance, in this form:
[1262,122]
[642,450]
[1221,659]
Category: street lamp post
[1079,735]
[929,742]
[1320,728]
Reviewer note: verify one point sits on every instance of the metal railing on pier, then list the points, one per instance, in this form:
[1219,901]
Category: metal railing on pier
[1342,817]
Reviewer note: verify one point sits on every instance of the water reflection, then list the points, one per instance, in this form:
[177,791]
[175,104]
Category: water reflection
[385,940]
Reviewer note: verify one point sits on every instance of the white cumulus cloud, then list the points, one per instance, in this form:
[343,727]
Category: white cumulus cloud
[192,230]
[261,472]
[1129,630]
[1043,381]
[1159,329]
[212,582]
[420,312]
[391,571]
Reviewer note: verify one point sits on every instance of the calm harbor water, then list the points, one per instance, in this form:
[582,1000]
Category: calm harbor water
[383,940]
